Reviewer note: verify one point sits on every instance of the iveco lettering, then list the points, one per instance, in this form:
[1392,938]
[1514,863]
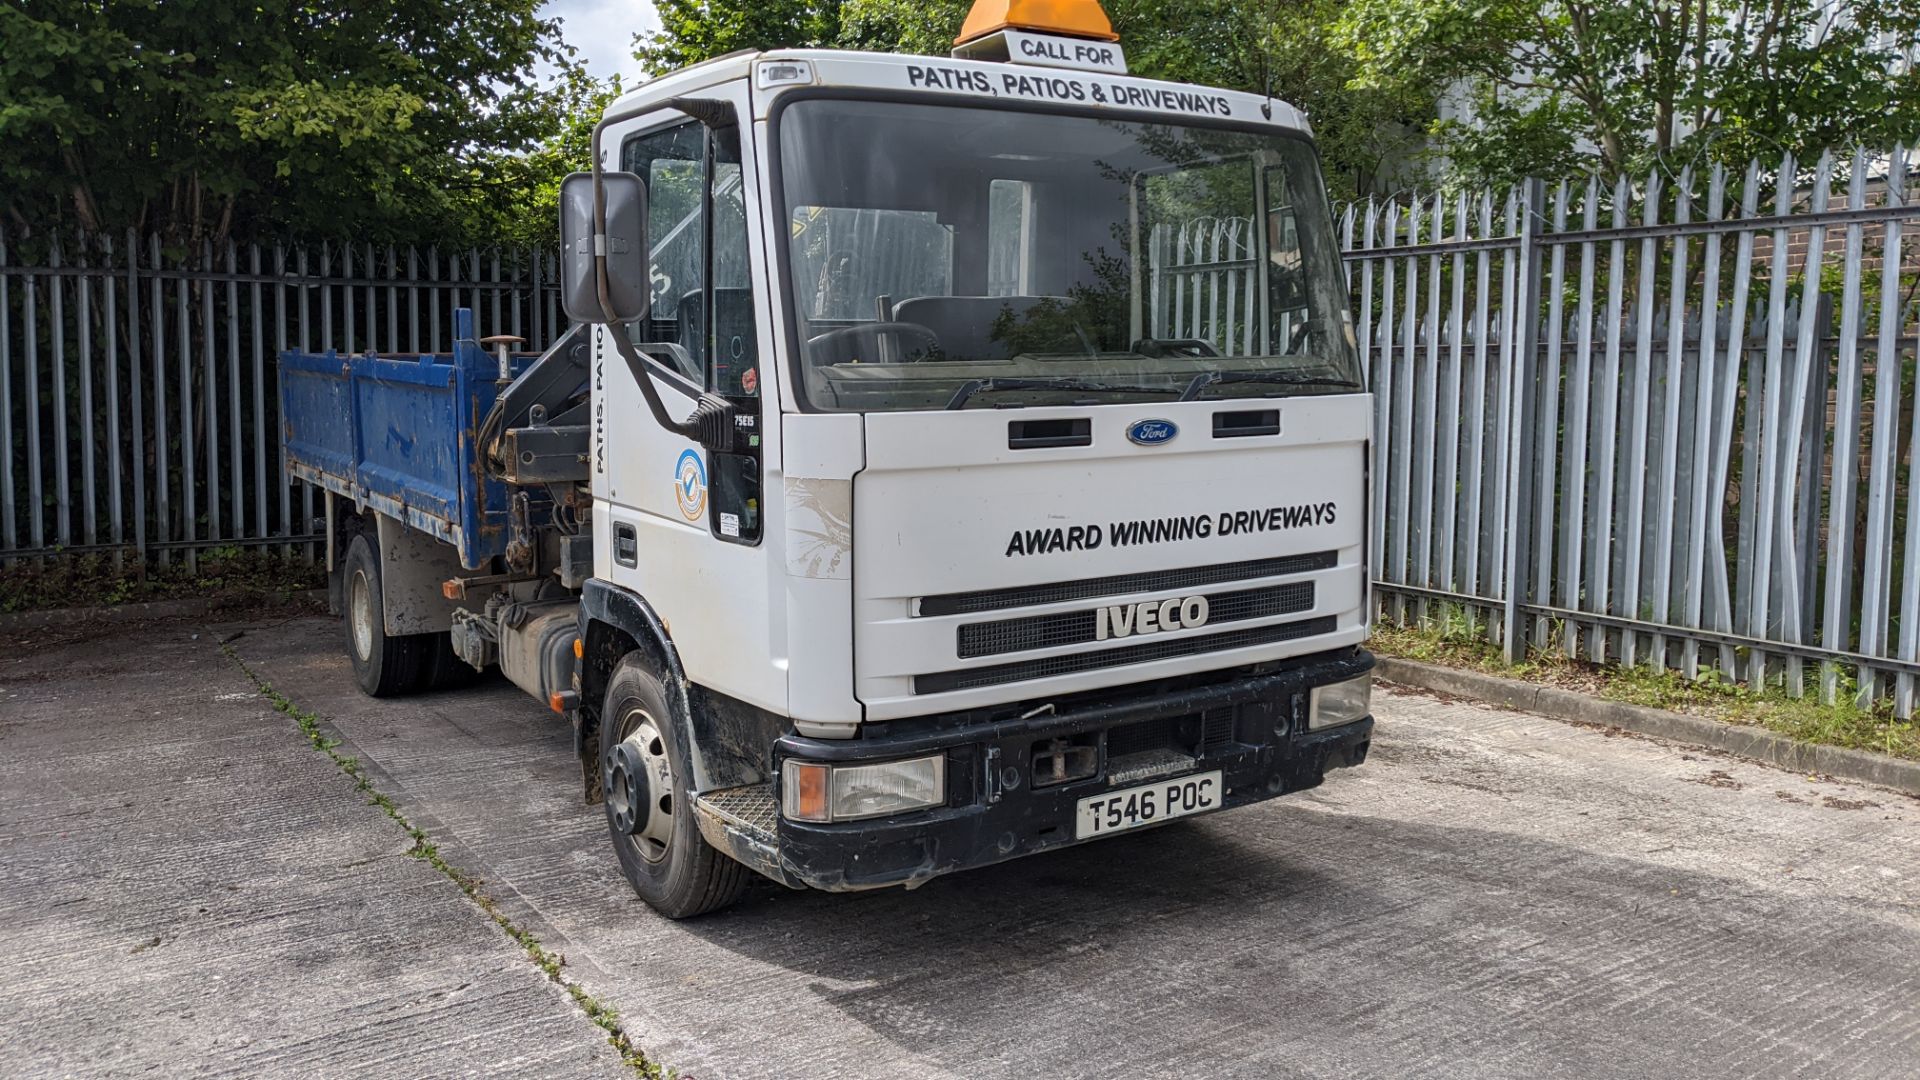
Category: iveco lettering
[1150,617]
[913,494]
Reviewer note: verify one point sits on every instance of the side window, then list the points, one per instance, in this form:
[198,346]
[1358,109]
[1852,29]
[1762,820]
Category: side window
[702,323]
[1196,221]
[1286,283]
[673,162]
[733,366]
[1009,238]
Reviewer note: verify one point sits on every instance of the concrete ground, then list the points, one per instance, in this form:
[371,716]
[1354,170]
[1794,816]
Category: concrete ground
[187,887]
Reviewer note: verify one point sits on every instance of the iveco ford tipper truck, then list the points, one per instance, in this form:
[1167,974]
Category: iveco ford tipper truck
[954,458]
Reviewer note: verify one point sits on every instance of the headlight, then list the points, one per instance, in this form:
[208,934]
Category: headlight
[812,791]
[1339,703]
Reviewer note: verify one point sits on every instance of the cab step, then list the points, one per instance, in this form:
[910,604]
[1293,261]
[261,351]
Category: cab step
[743,823]
[751,808]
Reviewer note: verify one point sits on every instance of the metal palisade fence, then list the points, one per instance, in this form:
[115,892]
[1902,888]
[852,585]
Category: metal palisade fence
[1665,421]
[1662,420]
[138,409]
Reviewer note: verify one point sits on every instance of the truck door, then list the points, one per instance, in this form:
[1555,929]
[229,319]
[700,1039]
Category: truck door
[683,525]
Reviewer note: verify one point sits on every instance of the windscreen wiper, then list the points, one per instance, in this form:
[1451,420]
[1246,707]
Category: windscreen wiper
[978,386]
[1287,378]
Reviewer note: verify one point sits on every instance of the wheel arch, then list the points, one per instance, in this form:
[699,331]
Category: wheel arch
[342,523]
[615,622]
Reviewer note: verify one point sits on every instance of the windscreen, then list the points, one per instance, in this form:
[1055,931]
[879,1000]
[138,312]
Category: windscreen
[951,257]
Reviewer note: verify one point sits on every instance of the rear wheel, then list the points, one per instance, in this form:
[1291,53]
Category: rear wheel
[644,772]
[442,668]
[383,666]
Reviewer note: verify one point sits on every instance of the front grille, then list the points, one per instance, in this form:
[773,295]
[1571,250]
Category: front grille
[1193,734]
[1075,627]
[1188,577]
[1147,765]
[940,682]
[1156,734]
[1216,728]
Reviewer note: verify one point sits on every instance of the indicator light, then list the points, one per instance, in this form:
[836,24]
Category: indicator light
[772,73]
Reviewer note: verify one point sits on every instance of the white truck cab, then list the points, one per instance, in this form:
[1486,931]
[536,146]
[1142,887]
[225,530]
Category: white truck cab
[1021,495]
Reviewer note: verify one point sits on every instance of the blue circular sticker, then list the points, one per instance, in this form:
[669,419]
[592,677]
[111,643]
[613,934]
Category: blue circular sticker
[690,485]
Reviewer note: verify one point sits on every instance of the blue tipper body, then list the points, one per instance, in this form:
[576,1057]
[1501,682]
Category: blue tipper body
[400,435]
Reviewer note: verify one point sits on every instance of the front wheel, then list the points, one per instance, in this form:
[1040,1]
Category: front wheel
[644,773]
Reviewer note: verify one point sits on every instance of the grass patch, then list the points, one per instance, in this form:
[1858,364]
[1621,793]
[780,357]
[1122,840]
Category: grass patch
[1453,637]
[550,963]
[225,576]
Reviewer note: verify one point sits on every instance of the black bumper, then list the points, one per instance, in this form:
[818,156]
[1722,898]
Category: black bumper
[1253,728]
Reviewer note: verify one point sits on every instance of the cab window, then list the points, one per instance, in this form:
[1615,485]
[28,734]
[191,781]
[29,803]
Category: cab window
[673,163]
[701,326]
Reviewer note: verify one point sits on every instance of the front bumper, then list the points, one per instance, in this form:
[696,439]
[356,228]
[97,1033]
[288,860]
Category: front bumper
[1253,728]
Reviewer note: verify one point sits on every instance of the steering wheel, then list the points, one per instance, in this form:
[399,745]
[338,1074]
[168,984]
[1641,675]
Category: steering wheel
[874,343]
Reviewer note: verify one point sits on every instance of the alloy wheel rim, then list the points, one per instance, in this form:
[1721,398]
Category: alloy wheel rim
[639,781]
[360,615]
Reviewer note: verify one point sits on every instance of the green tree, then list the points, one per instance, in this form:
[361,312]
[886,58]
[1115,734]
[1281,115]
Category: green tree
[1278,48]
[1621,85]
[394,120]
[695,30]
[925,27]
[527,209]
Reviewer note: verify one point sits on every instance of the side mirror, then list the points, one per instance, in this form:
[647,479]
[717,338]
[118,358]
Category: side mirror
[629,290]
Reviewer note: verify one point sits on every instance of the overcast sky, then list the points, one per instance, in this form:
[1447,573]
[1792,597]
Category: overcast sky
[602,31]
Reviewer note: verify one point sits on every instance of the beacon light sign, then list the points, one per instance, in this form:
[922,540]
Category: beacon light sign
[1047,50]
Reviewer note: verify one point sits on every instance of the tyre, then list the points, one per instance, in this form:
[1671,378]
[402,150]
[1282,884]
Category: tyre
[644,772]
[441,668]
[383,666]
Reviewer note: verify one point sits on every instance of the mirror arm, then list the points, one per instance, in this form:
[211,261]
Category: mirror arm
[711,423]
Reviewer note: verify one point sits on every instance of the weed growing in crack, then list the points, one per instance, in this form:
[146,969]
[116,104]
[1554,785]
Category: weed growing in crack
[550,963]
[1454,638]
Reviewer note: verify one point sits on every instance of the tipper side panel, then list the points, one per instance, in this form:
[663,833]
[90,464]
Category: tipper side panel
[399,435]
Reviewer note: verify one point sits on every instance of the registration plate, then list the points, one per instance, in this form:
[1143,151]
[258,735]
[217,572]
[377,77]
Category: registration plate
[1162,800]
